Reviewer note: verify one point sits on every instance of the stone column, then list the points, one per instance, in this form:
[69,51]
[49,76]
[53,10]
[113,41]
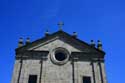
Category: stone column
[93,71]
[103,72]
[41,65]
[19,74]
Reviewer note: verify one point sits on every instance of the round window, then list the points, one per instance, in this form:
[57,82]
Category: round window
[60,56]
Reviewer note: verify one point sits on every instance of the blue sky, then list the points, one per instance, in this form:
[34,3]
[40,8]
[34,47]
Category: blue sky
[91,19]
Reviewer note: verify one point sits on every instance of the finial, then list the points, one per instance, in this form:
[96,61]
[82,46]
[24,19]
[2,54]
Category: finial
[92,43]
[60,24]
[47,33]
[27,40]
[99,46]
[74,34]
[20,43]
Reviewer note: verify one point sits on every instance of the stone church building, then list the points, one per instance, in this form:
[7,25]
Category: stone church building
[59,58]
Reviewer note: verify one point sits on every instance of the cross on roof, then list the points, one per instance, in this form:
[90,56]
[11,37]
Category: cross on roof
[60,24]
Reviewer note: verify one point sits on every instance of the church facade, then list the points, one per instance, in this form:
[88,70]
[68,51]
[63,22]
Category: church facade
[59,58]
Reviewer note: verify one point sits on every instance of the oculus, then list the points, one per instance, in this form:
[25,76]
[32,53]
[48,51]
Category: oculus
[60,56]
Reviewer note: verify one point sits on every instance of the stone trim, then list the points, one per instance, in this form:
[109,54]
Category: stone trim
[60,34]
[32,55]
[65,51]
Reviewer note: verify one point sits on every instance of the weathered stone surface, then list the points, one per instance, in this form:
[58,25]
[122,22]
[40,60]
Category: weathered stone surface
[53,73]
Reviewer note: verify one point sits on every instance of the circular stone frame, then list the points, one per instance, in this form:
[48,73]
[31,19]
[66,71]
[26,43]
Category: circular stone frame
[62,52]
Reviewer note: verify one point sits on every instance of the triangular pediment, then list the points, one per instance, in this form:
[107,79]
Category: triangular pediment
[59,39]
[56,43]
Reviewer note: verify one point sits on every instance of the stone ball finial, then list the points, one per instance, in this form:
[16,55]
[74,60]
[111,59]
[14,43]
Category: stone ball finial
[99,46]
[20,43]
[92,43]
[74,34]
[27,40]
[47,33]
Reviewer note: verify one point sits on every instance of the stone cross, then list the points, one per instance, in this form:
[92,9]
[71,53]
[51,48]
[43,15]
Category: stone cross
[60,24]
